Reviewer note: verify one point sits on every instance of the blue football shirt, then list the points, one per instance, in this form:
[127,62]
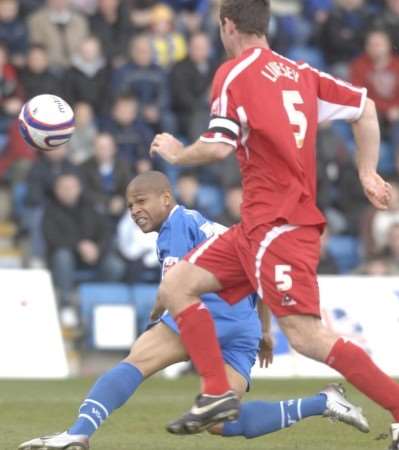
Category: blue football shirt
[183,230]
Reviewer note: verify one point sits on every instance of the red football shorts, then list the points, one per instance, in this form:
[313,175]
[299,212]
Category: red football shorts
[279,262]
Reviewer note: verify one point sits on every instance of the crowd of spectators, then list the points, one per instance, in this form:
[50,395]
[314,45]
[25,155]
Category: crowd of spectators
[132,68]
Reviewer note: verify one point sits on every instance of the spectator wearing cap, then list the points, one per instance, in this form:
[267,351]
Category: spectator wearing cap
[169,46]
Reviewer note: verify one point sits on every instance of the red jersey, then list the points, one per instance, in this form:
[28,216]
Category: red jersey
[268,108]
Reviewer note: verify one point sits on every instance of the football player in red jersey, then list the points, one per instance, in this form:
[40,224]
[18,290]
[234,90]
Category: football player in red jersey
[267,108]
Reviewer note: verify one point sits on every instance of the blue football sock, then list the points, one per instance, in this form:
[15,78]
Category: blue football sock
[259,418]
[109,392]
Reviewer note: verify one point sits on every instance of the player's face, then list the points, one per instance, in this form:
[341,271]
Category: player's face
[148,209]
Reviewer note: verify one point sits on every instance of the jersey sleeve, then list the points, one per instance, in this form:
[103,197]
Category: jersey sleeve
[172,249]
[224,125]
[339,100]
[175,241]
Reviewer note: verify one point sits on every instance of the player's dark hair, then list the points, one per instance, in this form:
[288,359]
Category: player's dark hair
[249,16]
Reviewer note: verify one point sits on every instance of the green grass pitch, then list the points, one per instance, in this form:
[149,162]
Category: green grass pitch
[32,408]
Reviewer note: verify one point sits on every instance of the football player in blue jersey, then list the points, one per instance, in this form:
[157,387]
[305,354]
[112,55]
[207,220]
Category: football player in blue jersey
[242,331]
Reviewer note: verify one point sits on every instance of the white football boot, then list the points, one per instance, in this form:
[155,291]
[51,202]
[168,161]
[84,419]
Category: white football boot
[395,436]
[340,409]
[62,441]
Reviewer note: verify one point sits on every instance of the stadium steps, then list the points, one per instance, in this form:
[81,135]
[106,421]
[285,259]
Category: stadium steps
[10,255]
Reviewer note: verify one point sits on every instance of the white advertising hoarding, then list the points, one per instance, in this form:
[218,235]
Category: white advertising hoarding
[31,344]
[362,309]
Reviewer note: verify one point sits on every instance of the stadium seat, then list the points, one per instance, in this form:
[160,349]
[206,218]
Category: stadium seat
[19,198]
[311,55]
[94,295]
[143,296]
[346,252]
[210,200]
[386,164]
[82,276]
[344,131]
[281,344]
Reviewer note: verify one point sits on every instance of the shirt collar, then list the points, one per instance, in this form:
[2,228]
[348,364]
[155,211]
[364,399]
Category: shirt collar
[169,216]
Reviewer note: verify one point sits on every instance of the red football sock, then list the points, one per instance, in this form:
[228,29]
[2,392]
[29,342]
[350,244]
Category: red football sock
[358,368]
[197,332]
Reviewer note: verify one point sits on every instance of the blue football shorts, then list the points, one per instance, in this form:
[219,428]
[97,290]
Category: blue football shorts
[239,342]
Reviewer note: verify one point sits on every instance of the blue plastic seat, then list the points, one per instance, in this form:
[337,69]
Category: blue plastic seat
[210,200]
[346,252]
[386,164]
[95,294]
[143,296]
[311,55]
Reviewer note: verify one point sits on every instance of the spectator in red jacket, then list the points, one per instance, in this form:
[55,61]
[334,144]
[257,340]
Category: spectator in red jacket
[378,70]
[10,91]
[16,158]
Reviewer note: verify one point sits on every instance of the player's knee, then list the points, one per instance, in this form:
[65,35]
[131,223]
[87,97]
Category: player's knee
[174,295]
[168,294]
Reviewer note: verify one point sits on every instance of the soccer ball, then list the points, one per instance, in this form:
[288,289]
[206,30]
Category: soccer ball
[46,122]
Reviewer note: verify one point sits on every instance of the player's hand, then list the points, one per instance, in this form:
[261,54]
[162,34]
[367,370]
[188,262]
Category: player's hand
[266,350]
[167,146]
[376,189]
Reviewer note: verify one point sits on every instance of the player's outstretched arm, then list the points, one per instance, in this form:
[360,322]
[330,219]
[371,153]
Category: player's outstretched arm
[367,136]
[197,154]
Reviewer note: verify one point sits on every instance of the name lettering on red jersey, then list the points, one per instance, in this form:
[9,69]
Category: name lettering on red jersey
[268,107]
[274,70]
